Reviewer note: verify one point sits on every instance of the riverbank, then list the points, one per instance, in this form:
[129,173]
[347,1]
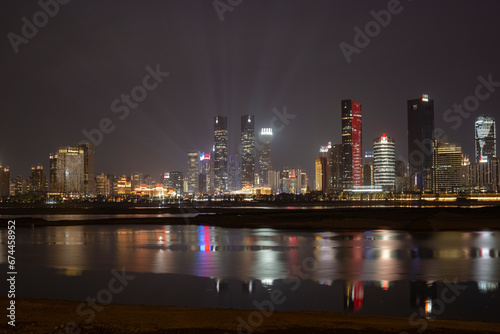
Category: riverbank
[44,316]
[324,219]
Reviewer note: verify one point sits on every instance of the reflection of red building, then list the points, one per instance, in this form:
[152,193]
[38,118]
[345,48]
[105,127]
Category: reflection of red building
[353,295]
[351,144]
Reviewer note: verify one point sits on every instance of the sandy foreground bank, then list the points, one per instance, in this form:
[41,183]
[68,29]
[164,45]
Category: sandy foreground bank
[51,316]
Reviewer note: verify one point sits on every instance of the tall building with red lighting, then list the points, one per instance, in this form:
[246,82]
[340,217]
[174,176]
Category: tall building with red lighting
[351,144]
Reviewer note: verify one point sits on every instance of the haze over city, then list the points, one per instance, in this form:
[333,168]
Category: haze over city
[261,56]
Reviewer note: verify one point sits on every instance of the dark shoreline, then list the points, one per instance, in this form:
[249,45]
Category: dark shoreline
[331,218]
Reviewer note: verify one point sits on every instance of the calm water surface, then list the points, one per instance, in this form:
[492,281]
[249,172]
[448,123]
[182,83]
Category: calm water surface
[435,274]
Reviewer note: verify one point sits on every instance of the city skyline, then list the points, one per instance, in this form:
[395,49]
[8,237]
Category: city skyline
[217,68]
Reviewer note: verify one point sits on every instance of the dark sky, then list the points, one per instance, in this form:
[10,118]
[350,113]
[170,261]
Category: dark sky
[264,55]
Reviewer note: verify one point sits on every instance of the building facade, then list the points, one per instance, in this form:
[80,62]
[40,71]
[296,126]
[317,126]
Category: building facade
[420,114]
[335,169]
[265,156]
[351,144]
[446,167]
[193,167]
[38,180]
[384,162]
[247,150]
[485,138]
[70,170]
[220,154]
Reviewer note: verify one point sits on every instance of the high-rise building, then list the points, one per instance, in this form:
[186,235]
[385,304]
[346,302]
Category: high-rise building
[206,173]
[136,180]
[384,162]
[4,181]
[351,144]
[335,170]
[247,150]
[446,167]
[174,181]
[274,179]
[104,185]
[486,139]
[292,181]
[53,173]
[220,154]
[70,170]
[88,168]
[193,174]
[401,177]
[265,155]
[38,180]
[368,169]
[420,138]
[321,170]
[16,186]
[234,172]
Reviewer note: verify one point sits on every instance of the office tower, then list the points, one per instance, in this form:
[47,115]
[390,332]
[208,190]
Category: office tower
[335,170]
[37,178]
[4,181]
[16,186]
[384,162]
[104,185]
[486,139]
[265,155]
[274,179]
[70,170]
[53,173]
[351,144]
[206,175]
[420,138]
[88,168]
[321,170]
[136,179]
[174,181]
[234,172]
[193,174]
[291,181]
[483,176]
[303,182]
[247,151]
[446,167]
[368,169]
[220,154]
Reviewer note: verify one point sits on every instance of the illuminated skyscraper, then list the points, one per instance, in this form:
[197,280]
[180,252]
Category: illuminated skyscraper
[193,171]
[53,173]
[88,168]
[220,154]
[321,170]
[420,137]
[136,180]
[206,173]
[384,162]
[174,181]
[70,169]
[247,150]
[265,155]
[486,139]
[335,170]
[4,181]
[446,167]
[38,180]
[104,185]
[368,169]
[351,144]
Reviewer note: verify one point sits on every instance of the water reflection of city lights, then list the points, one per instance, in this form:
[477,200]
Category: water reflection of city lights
[485,287]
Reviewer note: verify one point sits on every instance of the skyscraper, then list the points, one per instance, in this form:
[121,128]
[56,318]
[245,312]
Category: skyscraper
[321,170]
[265,155]
[193,171]
[88,168]
[351,144]
[335,170]
[446,167]
[104,185]
[486,139]
[53,173]
[368,169]
[247,150]
[206,173]
[420,137]
[70,169]
[220,154]
[384,162]
[37,178]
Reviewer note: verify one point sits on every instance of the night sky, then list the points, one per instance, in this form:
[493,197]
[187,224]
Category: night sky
[263,55]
